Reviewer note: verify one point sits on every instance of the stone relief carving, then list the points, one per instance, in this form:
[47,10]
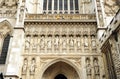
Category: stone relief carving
[78,42]
[34,46]
[60,42]
[33,66]
[77,61]
[88,68]
[93,42]
[62,39]
[86,41]
[56,41]
[64,43]
[49,42]
[101,20]
[21,15]
[42,42]
[96,67]
[27,44]
[71,42]
[25,66]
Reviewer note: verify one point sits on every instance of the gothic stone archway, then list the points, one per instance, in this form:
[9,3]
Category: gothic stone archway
[60,69]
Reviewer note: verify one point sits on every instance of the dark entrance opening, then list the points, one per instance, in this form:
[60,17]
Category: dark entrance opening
[60,76]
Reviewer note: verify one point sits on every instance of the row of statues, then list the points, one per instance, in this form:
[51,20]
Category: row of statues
[64,42]
[95,68]
[31,68]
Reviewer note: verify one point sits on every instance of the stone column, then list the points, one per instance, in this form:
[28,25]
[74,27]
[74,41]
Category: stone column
[52,6]
[69,6]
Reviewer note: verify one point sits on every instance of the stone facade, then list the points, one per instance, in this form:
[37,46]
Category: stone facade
[47,44]
[110,41]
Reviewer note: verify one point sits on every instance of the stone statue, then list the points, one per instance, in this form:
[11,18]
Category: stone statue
[101,20]
[21,15]
[71,41]
[24,67]
[88,69]
[78,42]
[42,42]
[27,44]
[33,66]
[85,41]
[64,43]
[96,67]
[34,46]
[56,42]
[49,43]
[93,41]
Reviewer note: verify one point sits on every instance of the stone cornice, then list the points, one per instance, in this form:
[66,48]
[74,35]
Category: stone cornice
[59,22]
[76,55]
[60,17]
[20,28]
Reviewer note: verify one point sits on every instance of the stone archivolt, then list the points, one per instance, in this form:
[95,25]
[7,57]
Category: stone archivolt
[32,65]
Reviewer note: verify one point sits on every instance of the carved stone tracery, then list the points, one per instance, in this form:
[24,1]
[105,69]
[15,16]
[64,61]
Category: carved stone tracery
[5,29]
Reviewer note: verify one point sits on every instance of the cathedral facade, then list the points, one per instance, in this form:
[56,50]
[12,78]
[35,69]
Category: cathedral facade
[60,39]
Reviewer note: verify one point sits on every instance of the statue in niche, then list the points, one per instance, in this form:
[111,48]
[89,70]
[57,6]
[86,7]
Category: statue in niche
[49,42]
[42,42]
[71,41]
[21,15]
[93,41]
[78,41]
[24,67]
[56,42]
[34,46]
[85,41]
[64,43]
[101,20]
[88,69]
[27,44]
[33,66]
[96,67]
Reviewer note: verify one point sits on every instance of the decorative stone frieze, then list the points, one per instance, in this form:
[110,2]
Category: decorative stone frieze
[60,37]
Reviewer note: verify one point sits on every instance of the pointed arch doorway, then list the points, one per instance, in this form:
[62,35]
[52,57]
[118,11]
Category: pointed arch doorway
[60,70]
